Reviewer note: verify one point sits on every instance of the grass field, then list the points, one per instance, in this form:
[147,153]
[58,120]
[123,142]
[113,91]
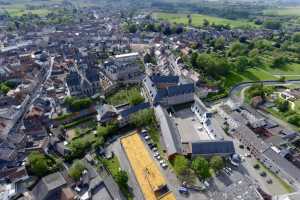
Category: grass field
[286,11]
[197,19]
[253,74]
[123,96]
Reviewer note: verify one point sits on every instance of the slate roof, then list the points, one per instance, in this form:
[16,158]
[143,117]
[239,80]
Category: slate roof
[92,74]
[158,94]
[169,131]
[73,79]
[125,113]
[212,147]
[164,79]
[47,187]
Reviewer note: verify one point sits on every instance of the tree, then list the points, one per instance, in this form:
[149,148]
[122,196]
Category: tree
[181,164]
[179,29]
[282,105]
[272,24]
[75,171]
[38,164]
[296,37]
[279,61]
[237,49]
[194,57]
[216,163]
[295,120]
[122,179]
[4,88]
[220,43]
[205,22]
[201,167]
[132,28]
[143,118]
[242,63]
[107,130]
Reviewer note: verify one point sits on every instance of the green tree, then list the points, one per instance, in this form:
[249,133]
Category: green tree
[282,105]
[295,120]
[194,57]
[143,118]
[220,43]
[4,88]
[205,22]
[122,179]
[75,171]
[201,167]
[107,130]
[38,164]
[279,61]
[181,164]
[296,37]
[237,49]
[272,24]
[242,63]
[216,163]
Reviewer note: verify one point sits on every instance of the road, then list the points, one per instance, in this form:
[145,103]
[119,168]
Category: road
[36,94]
[236,94]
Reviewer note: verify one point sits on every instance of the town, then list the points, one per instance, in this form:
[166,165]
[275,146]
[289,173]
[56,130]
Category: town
[113,102]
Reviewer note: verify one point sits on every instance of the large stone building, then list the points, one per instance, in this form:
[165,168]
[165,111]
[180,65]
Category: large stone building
[168,90]
[123,68]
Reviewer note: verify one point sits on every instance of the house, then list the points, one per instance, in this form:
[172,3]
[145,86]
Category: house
[126,113]
[169,131]
[106,113]
[210,148]
[49,187]
[123,68]
[168,90]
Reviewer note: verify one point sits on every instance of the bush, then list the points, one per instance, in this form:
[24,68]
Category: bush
[295,120]
[282,105]
[143,118]
[41,165]
[75,171]
[201,167]
[77,104]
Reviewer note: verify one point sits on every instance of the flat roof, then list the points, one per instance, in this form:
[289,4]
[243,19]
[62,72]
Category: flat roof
[145,169]
[127,55]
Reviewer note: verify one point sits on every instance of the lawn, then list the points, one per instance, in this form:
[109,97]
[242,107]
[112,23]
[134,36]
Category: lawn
[197,19]
[290,70]
[252,74]
[285,11]
[113,165]
[123,96]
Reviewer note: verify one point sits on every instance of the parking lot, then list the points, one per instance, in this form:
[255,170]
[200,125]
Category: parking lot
[189,126]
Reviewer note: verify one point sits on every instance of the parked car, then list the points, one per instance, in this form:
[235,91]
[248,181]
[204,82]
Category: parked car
[154,149]
[183,190]
[147,137]
[164,165]
[156,154]
[269,181]
[263,174]
[158,157]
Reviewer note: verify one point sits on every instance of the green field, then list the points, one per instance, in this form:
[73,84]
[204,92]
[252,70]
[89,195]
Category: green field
[197,19]
[252,74]
[286,11]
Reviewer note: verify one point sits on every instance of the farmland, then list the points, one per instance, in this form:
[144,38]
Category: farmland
[286,11]
[197,19]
